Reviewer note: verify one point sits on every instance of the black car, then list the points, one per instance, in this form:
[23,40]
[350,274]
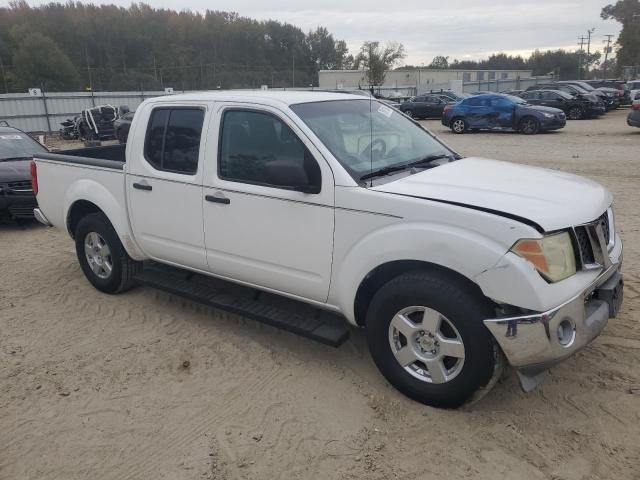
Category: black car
[501,112]
[424,106]
[595,106]
[574,107]
[121,127]
[16,195]
[607,95]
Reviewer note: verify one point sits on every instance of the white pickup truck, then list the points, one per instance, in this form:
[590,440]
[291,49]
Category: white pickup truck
[343,204]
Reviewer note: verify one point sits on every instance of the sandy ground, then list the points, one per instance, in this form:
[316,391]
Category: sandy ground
[149,386]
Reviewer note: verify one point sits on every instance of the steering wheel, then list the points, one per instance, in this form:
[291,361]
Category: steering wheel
[372,152]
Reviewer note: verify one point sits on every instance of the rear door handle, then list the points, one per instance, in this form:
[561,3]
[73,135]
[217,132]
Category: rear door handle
[143,186]
[223,200]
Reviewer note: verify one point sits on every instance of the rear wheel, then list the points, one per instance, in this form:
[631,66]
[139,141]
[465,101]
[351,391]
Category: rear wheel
[529,126]
[575,113]
[459,125]
[102,257]
[425,334]
[409,114]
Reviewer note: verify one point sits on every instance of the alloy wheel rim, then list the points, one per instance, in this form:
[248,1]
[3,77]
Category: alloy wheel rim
[98,255]
[426,344]
[458,125]
[529,126]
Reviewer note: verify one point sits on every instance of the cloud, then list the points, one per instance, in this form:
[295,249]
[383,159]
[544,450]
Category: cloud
[462,29]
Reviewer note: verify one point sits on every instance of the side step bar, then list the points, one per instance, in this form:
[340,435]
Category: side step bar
[289,315]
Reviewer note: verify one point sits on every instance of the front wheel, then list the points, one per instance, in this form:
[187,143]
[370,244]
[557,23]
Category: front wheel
[575,113]
[102,257]
[426,335]
[529,126]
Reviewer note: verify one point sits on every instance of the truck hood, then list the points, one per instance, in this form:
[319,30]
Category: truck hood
[14,170]
[546,199]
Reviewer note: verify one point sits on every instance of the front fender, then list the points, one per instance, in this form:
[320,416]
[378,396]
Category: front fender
[463,251]
[91,191]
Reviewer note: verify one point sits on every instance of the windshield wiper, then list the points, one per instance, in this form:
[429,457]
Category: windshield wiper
[403,166]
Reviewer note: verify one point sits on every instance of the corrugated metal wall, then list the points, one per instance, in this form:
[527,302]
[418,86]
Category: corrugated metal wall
[44,113]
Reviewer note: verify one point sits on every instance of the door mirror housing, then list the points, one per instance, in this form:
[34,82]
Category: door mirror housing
[292,175]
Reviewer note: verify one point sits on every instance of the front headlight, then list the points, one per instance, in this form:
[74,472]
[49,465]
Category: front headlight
[548,115]
[552,255]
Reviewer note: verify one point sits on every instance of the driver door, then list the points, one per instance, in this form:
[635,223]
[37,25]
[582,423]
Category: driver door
[259,231]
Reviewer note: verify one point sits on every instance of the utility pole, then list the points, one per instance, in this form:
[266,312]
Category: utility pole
[589,32]
[4,76]
[607,49]
[581,40]
[86,57]
[293,70]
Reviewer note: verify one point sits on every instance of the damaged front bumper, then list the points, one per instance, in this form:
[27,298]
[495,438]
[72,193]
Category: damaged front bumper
[533,343]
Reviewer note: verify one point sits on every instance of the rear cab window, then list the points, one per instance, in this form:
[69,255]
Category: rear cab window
[172,143]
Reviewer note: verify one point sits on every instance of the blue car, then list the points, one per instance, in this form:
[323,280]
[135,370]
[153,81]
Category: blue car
[495,111]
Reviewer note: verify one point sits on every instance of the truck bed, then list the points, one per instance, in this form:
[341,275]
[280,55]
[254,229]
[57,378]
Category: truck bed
[110,156]
[95,173]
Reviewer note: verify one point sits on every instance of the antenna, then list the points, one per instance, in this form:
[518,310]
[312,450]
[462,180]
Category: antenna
[371,137]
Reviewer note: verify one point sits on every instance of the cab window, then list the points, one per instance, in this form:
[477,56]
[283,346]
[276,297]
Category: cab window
[256,146]
[173,138]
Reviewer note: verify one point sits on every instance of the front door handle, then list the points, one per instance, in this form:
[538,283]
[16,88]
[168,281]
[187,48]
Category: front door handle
[142,186]
[223,200]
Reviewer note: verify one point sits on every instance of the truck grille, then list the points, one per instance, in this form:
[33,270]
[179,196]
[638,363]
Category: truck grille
[592,251]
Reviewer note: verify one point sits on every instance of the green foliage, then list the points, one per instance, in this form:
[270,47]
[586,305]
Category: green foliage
[377,60]
[627,13]
[39,62]
[440,62]
[142,47]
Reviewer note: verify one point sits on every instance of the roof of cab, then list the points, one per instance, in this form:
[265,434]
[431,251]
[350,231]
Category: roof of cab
[291,97]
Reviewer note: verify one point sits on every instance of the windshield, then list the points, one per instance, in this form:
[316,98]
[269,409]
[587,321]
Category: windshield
[564,94]
[368,136]
[15,144]
[515,99]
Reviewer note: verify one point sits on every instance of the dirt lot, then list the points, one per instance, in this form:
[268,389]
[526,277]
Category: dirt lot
[149,386]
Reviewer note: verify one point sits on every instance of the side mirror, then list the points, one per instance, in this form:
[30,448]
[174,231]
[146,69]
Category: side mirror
[291,175]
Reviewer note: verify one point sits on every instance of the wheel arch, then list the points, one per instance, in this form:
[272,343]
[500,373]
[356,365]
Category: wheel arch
[86,197]
[386,272]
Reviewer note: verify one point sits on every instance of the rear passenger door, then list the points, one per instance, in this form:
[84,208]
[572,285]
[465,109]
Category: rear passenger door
[532,97]
[260,229]
[164,185]
[551,99]
[478,113]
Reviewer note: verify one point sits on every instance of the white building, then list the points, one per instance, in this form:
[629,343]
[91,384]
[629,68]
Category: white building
[422,79]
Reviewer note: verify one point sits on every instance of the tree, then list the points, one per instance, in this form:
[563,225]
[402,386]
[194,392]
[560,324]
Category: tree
[439,62]
[378,60]
[627,13]
[144,47]
[327,53]
[40,62]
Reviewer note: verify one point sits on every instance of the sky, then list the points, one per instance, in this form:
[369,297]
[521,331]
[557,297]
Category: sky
[462,29]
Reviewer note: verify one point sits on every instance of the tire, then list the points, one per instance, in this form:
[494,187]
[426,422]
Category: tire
[409,114]
[575,113]
[529,126]
[461,314]
[109,269]
[459,125]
